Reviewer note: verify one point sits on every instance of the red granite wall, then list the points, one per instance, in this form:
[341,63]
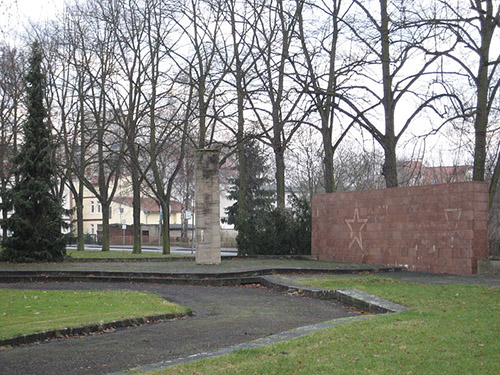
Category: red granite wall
[435,228]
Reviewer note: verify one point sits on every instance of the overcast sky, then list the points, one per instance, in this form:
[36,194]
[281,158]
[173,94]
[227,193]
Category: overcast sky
[14,14]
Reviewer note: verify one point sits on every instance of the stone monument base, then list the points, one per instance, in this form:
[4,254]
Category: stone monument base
[207,206]
[211,256]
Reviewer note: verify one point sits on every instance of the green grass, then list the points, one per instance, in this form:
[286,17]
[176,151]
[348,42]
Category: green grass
[448,330]
[116,254]
[31,311]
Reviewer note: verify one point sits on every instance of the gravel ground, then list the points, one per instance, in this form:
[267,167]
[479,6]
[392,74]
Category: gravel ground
[224,316]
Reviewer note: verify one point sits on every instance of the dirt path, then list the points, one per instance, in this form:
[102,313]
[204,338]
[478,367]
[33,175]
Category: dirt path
[224,316]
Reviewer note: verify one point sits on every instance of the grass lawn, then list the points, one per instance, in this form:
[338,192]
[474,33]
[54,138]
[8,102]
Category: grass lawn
[450,329]
[117,254]
[30,311]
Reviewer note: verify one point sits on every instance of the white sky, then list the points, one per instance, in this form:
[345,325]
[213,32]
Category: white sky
[15,14]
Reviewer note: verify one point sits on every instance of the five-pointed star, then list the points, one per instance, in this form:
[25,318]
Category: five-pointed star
[356,225]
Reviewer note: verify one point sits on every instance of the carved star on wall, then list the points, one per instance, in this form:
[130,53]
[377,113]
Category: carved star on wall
[356,225]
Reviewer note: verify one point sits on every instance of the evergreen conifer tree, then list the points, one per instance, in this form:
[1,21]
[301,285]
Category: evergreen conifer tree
[37,218]
[258,199]
[266,229]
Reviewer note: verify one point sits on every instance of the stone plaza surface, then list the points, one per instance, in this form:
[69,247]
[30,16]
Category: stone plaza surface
[433,228]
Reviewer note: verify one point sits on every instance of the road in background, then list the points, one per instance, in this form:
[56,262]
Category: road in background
[154,249]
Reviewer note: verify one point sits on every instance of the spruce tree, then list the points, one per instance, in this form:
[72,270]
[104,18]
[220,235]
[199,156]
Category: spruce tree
[258,200]
[36,221]
[266,229]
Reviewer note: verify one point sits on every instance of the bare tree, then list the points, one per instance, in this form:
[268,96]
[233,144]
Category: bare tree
[101,142]
[322,67]
[166,152]
[357,169]
[11,116]
[472,27]
[395,85]
[275,102]
[128,20]
[183,189]
[200,22]
[306,178]
[242,17]
[169,113]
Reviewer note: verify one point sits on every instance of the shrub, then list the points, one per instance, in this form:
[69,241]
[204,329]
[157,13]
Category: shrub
[277,232]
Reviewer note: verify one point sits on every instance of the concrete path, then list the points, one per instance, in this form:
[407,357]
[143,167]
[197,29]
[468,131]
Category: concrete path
[225,316]
[146,249]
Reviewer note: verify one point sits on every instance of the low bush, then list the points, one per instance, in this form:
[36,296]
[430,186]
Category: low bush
[277,232]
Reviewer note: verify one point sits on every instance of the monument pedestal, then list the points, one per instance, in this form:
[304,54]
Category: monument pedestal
[207,214]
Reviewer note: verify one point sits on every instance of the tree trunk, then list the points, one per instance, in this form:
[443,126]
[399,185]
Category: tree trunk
[186,203]
[165,228]
[242,167]
[184,221]
[81,166]
[240,134]
[280,177]
[482,108]
[494,182]
[328,161]
[389,169]
[105,226]
[479,152]
[136,208]
[5,213]
[79,218]
[203,114]
[242,183]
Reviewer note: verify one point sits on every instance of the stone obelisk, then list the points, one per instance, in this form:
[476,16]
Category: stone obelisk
[207,214]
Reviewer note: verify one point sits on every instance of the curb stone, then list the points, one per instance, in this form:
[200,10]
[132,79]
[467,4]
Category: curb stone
[156,277]
[278,337]
[367,302]
[351,297]
[42,277]
[89,328]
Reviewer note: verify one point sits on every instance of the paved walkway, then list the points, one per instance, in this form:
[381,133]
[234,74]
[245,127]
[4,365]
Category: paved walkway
[225,316]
